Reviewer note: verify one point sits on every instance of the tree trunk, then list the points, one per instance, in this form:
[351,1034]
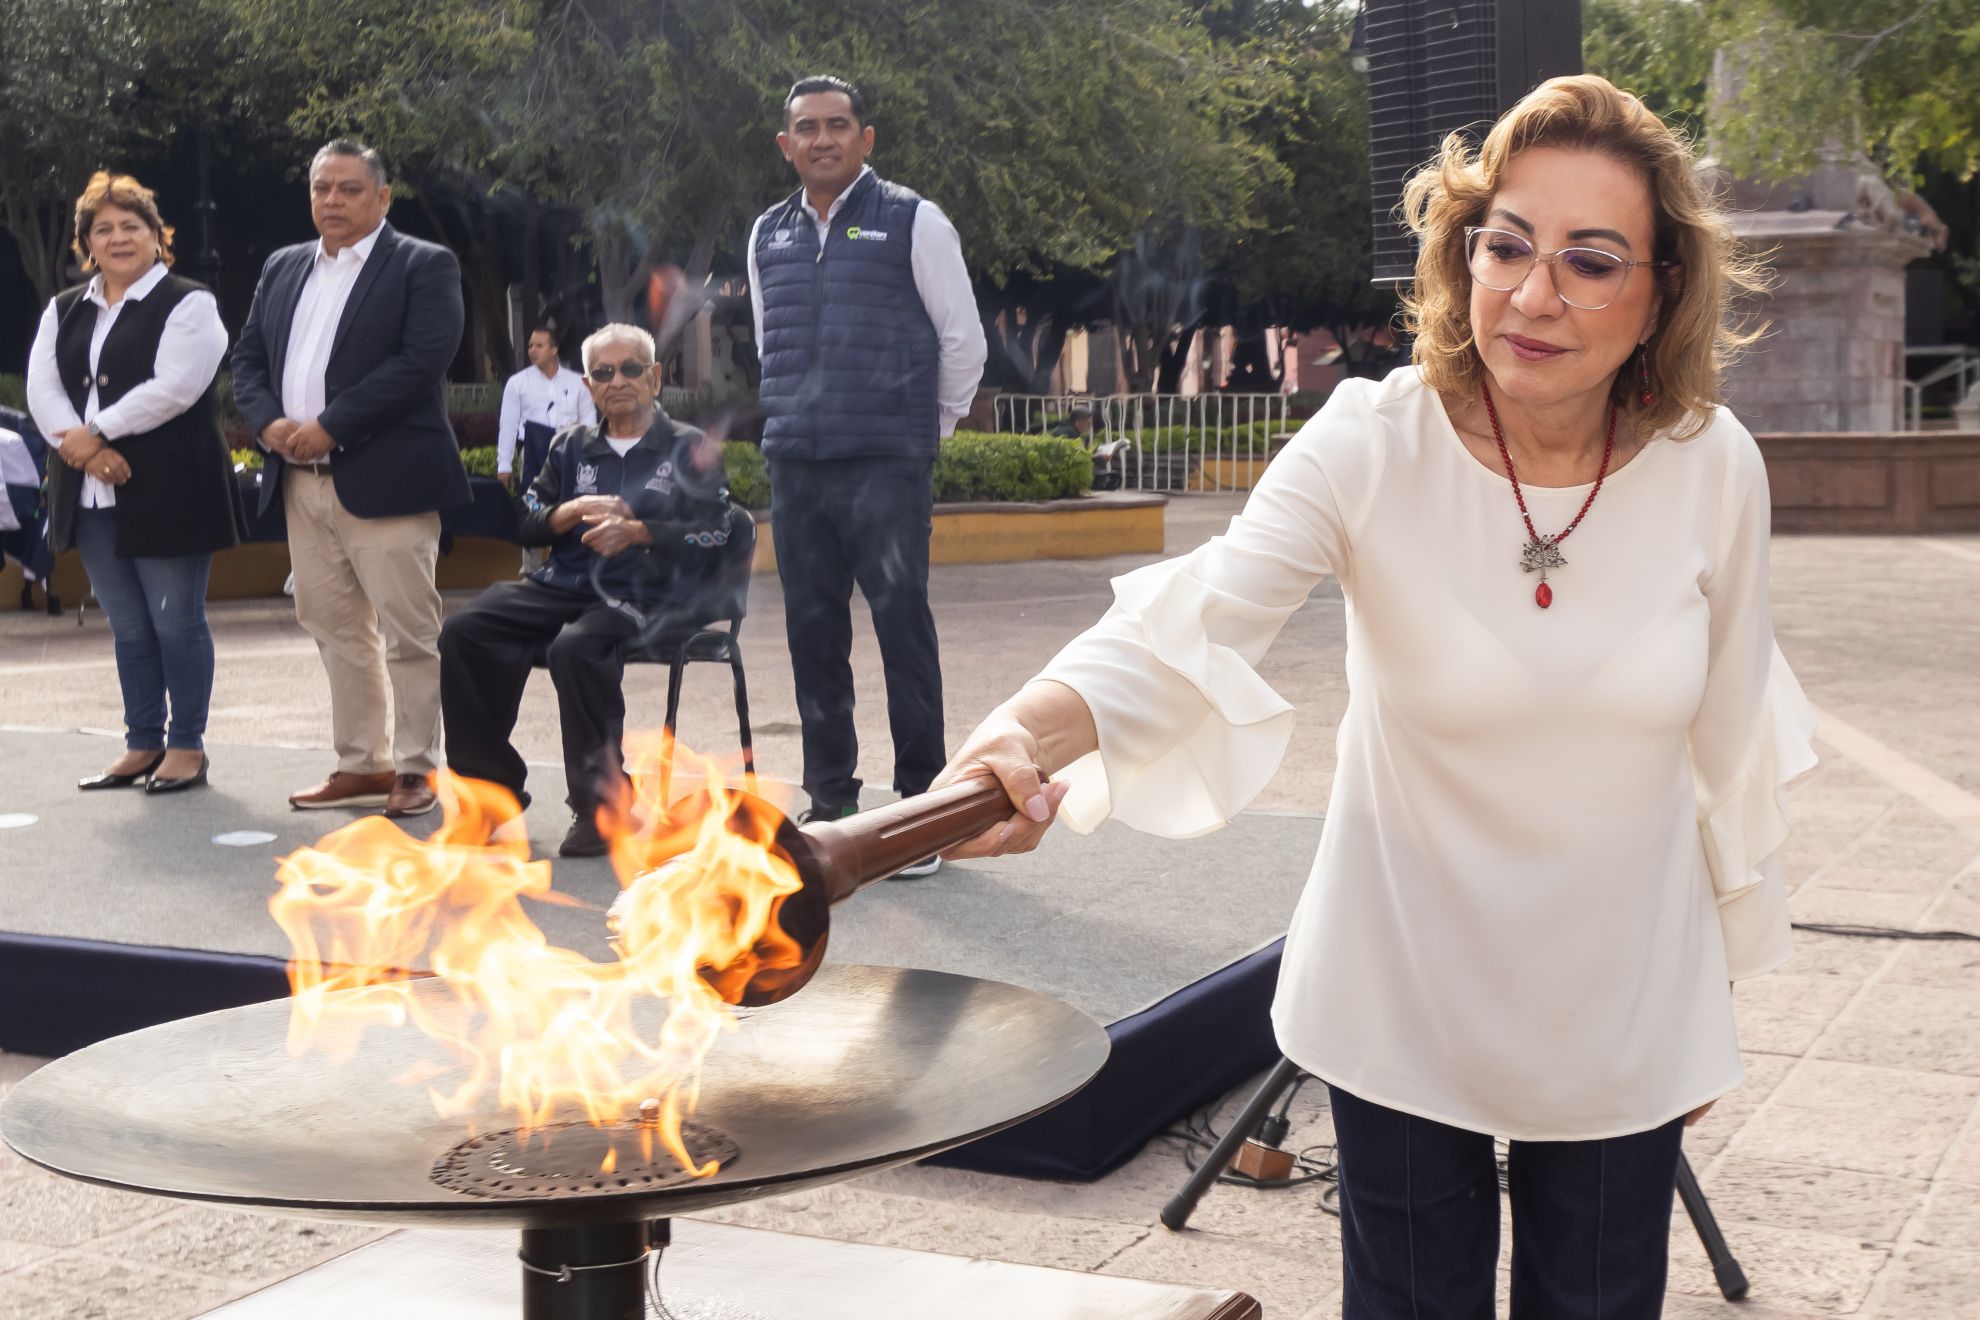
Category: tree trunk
[1251,363]
[532,272]
[38,233]
[1050,347]
[1175,356]
[1139,356]
[624,267]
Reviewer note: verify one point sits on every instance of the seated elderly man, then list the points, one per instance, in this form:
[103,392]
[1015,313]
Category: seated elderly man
[635,512]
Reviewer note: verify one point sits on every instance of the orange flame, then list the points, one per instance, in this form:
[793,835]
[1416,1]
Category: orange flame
[548,1031]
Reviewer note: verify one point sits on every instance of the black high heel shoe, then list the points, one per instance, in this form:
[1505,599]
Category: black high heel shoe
[107,780]
[158,785]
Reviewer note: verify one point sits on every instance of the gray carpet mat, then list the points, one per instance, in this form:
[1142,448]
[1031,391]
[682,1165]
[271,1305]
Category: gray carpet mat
[1110,922]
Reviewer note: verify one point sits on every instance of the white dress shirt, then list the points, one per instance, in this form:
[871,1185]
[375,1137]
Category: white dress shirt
[312,333]
[942,280]
[1553,835]
[190,350]
[530,396]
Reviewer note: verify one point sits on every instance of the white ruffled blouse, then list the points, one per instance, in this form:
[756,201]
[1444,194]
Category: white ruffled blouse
[1553,834]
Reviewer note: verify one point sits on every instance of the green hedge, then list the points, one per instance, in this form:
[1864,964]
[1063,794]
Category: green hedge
[749,475]
[975,466]
[972,466]
[13,392]
[1255,438]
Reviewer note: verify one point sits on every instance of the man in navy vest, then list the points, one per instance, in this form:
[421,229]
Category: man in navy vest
[871,348]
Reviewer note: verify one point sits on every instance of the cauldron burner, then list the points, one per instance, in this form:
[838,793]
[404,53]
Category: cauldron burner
[568,1159]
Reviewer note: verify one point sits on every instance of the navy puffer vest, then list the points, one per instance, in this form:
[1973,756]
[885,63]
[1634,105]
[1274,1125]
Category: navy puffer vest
[849,354]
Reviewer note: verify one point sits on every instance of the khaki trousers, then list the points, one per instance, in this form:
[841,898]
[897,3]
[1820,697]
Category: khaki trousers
[365,592]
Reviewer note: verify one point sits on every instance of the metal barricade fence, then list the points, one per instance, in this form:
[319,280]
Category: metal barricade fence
[1158,442]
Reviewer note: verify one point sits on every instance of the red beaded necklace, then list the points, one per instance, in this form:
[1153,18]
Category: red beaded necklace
[1543,552]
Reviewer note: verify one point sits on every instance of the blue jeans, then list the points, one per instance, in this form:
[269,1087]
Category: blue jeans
[1420,1220]
[157,612]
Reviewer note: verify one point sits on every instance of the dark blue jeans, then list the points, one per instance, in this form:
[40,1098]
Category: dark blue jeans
[157,613]
[866,522]
[1420,1220]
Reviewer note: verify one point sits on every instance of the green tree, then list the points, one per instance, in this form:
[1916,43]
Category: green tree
[1802,82]
[1307,265]
[69,76]
[1052,131]
[1891,78]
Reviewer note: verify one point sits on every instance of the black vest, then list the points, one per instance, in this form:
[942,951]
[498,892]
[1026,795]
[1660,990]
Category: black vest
[850,358]
[180,499]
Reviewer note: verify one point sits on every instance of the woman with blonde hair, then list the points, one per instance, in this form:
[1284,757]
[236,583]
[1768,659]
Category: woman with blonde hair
[121,380]
[1551,842]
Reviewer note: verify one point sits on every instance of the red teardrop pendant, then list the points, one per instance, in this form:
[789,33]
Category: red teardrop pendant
[1543,595]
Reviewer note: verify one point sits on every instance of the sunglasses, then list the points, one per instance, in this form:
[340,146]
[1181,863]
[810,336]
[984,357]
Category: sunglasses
[630,370]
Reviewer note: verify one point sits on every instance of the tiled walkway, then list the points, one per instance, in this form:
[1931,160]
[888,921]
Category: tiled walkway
[1846,1172]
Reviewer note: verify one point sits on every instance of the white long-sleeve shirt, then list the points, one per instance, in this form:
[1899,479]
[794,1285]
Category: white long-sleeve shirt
[941,278]
[1553,834]
[313,331]
[190,349]
[530,396]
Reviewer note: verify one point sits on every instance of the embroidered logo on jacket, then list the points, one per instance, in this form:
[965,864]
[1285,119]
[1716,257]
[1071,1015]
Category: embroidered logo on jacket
[662,481]
[587,478]
[782,238]
[870,235]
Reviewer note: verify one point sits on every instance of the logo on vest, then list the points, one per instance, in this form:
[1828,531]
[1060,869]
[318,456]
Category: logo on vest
[782,238]
[662,481]
[857,234]
[587,478]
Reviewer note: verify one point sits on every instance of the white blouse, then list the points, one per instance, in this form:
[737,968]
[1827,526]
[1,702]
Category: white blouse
[1553,834]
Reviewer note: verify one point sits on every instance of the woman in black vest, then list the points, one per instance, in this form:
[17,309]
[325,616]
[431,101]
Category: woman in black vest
[121,381]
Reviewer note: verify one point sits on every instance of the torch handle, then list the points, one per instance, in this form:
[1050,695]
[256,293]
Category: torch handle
[858,850]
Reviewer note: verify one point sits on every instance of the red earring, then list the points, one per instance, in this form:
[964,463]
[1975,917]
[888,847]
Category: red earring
[1649,396]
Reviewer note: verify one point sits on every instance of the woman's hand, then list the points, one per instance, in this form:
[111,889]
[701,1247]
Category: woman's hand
[77,446]
[110,466]
[1003,749]
[84,451]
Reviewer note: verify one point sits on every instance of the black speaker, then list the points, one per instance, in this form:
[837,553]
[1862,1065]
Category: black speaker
[1439,66]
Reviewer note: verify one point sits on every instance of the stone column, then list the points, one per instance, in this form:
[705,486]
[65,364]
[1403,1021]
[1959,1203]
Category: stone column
[1833,355]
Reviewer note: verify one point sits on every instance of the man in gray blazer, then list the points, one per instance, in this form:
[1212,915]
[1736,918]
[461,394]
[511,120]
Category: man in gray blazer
[341,374]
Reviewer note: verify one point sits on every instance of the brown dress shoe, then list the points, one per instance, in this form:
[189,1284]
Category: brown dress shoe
[410,796]
[344,789]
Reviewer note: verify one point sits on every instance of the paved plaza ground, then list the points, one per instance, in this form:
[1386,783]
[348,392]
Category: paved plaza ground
[1845,1172]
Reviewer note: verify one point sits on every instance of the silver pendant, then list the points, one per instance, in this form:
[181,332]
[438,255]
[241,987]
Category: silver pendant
[1541,555]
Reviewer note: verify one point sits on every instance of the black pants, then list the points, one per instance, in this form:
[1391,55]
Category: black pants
[486,651]
[1420,1220]
[864,521]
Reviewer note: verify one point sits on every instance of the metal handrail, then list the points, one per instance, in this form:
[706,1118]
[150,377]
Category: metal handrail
[1965,366]
[1158,441]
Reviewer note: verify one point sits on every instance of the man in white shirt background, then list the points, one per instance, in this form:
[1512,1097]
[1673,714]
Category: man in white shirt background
[542,399]
[871,346]
[341,374]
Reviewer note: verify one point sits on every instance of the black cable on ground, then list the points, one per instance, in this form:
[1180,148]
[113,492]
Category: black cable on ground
[1313,1165]
[1883,932]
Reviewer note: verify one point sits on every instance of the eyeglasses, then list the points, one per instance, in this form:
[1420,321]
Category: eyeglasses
[630,370]
[1587,278]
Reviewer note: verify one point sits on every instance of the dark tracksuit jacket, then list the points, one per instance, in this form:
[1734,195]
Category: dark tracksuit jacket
[585,608]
